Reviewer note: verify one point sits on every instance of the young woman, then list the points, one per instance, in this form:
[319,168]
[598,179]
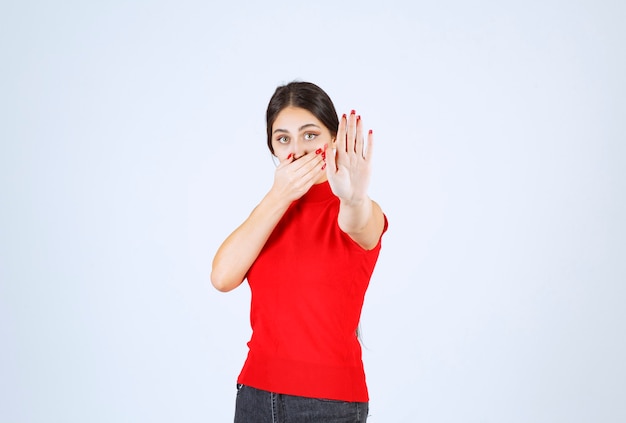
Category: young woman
[308,250]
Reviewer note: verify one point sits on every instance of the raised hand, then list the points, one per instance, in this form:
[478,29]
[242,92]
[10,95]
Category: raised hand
[349,161]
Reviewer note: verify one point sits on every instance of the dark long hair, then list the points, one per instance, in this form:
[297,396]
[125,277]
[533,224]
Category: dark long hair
[305,95]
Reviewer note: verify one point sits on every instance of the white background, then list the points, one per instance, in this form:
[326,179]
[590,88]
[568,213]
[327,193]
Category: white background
[133,142]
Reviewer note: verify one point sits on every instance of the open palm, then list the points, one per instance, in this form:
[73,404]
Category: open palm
[349,161]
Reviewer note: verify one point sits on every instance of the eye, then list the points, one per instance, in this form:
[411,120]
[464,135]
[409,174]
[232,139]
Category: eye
[309,136]
[283,139]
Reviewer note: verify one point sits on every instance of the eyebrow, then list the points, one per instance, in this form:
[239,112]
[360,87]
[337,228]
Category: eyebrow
[299,129]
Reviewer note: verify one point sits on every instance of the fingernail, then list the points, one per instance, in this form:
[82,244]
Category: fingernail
[352,112]
[358,118]
[324,166]
[289,156]
[344,116]
[318,151]
[371,132]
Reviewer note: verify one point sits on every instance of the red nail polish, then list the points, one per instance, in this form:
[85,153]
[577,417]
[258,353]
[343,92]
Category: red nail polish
[318,151]
[344,116]
[289,156]
[352,112]
[324,167]
[358,118]
[371,132]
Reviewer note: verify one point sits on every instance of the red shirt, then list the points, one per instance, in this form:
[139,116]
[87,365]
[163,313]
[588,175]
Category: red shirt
[308,286]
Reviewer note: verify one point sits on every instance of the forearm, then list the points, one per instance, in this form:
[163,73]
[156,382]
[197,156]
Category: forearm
[353,216]
[363,221]
[237,253]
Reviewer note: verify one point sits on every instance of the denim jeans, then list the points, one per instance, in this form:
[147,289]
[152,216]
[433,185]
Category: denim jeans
[257,406]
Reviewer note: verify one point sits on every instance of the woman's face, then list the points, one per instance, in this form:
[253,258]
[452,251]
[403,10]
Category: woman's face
[297,131]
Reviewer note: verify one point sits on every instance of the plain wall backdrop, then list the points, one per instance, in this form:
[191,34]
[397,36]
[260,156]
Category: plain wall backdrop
[132,142]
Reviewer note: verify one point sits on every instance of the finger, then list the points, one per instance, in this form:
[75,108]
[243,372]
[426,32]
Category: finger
[370,145]
[311,171]
[340,143]
[359,144]
[351,135]
[297,163]
[331,163]
[286,161]
[309,161]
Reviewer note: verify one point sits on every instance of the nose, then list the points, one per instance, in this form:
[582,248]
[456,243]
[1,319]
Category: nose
[299,150]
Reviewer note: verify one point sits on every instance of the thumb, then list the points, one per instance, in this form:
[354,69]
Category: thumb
[331,161]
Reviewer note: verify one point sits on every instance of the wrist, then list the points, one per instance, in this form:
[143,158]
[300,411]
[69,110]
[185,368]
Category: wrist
[274,200]
[353,202]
